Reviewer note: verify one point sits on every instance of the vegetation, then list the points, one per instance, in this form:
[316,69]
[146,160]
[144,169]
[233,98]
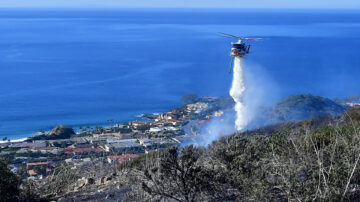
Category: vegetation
[59,132]
[181,176]
[353,115]
[9,183]
[188,99]
[315,159]
[300,107]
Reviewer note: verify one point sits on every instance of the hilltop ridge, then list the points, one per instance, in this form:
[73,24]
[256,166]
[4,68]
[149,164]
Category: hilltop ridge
[300,107]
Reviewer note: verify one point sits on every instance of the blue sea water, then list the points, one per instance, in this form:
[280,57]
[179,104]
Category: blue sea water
[83,67]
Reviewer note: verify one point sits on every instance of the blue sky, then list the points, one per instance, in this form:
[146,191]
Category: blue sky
[181,3]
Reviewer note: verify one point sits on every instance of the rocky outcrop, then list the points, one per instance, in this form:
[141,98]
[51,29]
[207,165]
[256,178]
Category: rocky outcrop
[61,132]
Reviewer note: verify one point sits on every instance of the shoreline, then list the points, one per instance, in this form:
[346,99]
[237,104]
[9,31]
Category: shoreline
[75,127]
[15,140]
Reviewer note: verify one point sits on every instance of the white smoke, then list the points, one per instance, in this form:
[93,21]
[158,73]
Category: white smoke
[237,93]
[252,94]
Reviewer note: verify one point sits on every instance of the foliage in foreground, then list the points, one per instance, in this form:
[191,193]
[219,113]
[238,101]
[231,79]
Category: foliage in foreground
[298,163]
[9,183]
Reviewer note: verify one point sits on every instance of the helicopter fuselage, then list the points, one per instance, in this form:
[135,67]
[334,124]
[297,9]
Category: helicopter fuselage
[239,49]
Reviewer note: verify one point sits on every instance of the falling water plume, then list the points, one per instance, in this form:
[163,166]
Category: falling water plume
[237,92]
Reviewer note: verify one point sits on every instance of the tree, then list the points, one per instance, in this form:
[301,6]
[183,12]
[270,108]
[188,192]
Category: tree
[47,143]
[352,98]
[181,177]
[9,183]
[63,144]
[61,132]
[4,138]
[188,99]
[110,121]
[41,170]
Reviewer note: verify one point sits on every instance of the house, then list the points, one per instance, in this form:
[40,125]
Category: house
[82,140]
[77,162]
[168,116]
[34,164]
[156,143]
[21,160]
[4,144]
[13,168]
[32,172]
[120,126]
[44,150]
[150,151]
[36,178]
[139,123]
[122,158]
[164,128]
[175,122]
[107,135]
[219,113]
[82,145]
[82,150]
[155,129]
[125,145]
[171,128]
[22,150]
[208,99]
[196,107]
[30,145]
[121,141]
[158,123]
[352,104]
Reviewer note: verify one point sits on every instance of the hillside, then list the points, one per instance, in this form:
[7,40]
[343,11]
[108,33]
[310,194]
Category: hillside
[315,159]
[300,107]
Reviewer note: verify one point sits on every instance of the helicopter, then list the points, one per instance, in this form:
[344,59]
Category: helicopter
[239,48]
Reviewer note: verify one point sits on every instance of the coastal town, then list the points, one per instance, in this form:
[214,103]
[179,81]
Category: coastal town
[38,156]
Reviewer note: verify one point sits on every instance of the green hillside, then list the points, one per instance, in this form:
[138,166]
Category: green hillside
[300,107]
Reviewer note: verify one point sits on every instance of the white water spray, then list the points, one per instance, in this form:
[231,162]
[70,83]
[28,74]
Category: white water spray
[237,92]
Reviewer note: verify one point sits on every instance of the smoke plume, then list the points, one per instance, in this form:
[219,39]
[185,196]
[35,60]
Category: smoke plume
[237,93]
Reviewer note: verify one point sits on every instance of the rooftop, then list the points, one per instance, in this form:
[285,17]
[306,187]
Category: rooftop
[79,150]
[36,163]
[124,157]
[32,172]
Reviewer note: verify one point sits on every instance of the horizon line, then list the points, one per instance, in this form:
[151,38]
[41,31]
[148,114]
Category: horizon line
[175,8]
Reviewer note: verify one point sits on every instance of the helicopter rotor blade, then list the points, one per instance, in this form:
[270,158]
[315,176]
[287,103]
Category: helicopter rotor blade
[254,39]
[229,35]
[237,37]
[226,36]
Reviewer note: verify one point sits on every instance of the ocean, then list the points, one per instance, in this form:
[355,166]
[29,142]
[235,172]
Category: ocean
[81,67]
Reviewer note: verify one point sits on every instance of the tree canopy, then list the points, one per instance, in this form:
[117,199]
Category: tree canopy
[188,99]
[9,183]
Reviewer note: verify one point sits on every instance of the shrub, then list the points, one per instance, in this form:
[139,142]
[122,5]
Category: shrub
[9,183]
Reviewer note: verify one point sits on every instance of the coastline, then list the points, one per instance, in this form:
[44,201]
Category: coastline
[76,127]
[16,140]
